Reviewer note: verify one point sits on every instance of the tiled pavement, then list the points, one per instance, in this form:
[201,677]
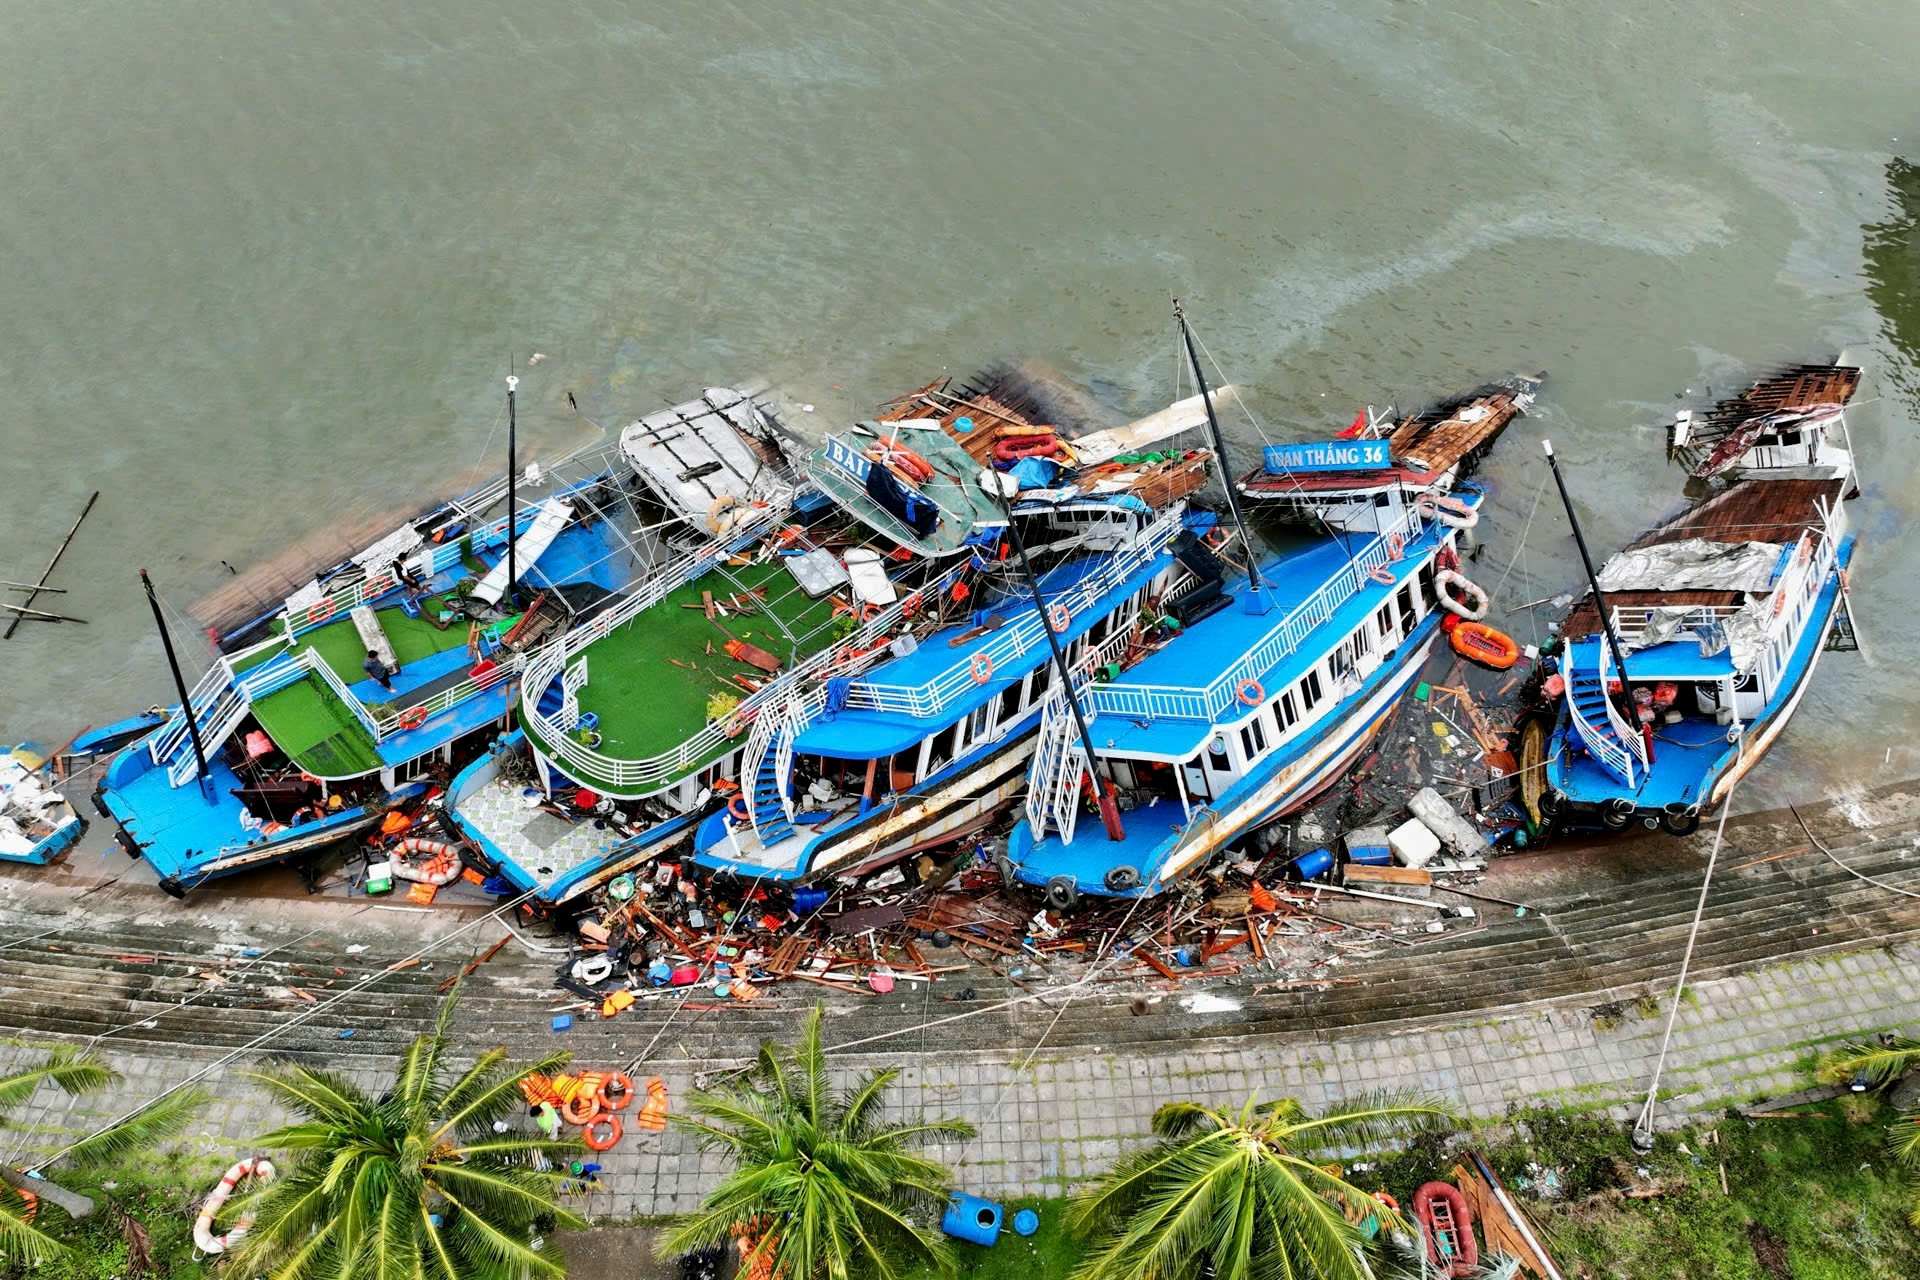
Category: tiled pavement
[1047,1120]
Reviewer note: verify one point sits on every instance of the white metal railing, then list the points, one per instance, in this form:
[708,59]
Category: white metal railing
[1612,752]
[1287,635]
[388,724]
[1629,624]
[759,741]
[202,698]
[1059,757]
[545,664]
[1013,642]
[787,730]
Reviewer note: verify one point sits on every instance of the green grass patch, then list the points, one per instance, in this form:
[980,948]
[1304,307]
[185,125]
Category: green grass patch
[1049,1254]
[310,724]
[160,1192]
[338,643]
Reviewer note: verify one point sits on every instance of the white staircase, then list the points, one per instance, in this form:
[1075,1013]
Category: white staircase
[1053,779]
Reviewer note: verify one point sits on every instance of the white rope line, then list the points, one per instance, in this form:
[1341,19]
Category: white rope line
[1643,1127]
[1834,858]
[297,1020]
[1521,548]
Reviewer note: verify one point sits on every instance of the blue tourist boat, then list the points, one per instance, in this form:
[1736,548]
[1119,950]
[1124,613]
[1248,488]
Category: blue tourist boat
[296,742]
[1696,643]
[888,590]
[1269,684]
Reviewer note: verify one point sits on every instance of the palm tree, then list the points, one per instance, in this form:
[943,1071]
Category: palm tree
[1876,1066]
[821,1186]
[28,1242]
[415,1183]
[1232,1195]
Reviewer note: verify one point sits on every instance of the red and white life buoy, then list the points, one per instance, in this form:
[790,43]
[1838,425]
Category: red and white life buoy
[320,612]
[1470,603]
[898,457]
[1447,509]
[1059,617]
[442,865]
[980,667]
[1382,575]
[203,1237]
[413,717]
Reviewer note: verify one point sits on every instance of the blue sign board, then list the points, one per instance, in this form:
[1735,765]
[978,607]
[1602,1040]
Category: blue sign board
[1327,455]
[848,459]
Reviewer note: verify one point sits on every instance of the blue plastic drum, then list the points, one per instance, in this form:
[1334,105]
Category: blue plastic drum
[1311,866]
[971,1219]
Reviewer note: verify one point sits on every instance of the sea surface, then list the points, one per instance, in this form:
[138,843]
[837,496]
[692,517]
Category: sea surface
[267,264]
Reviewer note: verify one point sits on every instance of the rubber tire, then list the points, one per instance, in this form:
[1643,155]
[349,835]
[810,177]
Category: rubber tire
[1680,826]
[1062,893]
[1551,802]
[1122,879]
[1616,814]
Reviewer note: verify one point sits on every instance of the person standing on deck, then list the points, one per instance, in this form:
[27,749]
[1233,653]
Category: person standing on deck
[379,670]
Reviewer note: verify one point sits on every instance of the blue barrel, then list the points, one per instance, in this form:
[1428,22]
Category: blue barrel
[1026,1222]
[808,901]
[971,1219]
[1311,866]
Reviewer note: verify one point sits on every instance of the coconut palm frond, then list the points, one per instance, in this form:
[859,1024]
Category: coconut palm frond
[21,1243]
[71,1070]
[166,1117]
[1178,1119]
[325,1096]
[481,1105]
[1879,1063]
[1366,1121]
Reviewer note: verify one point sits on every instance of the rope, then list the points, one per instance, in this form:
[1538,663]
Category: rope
[1643,1127]
[1520,550]
[1858,875]
[298,1019]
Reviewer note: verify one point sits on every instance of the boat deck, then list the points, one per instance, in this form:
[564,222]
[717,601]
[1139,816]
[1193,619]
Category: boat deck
[964,505]
[545,847]
[1683,756]
[649,681]
[1091,855]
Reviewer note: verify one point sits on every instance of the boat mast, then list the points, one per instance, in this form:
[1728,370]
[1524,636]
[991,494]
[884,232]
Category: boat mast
[1257,601]
[512,382]
[1103,793]
[1593,579]
[180,685]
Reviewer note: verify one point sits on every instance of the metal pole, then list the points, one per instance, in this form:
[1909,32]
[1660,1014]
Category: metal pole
[180,685]
[1103,794]
[512,382]
[1220,457]
[1593,579]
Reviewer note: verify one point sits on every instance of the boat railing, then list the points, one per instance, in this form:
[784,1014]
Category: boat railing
[1630,623]
[1806,575]
[313,662]
[201,701]
[386,725]
[1621,752]
[864,647]
[1016,640]
[1210,702]
[1059,757]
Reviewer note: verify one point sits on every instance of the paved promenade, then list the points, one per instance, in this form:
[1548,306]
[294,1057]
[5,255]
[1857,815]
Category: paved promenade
[1841,960]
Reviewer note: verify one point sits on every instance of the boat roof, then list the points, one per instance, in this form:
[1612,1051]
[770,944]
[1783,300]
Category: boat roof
[1212,647]
[1730,426]
[860,734]
[704,451]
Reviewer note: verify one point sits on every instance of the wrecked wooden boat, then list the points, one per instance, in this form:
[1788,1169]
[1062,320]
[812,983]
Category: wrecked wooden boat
[1355,480]
[1686,659]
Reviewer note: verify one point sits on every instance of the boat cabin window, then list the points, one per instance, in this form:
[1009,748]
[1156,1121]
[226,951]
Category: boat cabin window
[981,722]
[1042,677]
[1380,499]
[1404,599]
[1284,713]
[1010,699]
[1362,644]
[1427,598]
[1384,620]
[1310,690]
[1253,739]
[1339,662]
[1218,760]
[940,750]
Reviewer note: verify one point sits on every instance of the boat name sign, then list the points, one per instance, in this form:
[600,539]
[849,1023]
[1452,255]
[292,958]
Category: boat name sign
[1326,455]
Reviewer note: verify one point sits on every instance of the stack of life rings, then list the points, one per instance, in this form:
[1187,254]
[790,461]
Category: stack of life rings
[442,865]
[592,1101]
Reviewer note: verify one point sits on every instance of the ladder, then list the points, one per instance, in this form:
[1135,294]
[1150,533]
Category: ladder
[1053,780]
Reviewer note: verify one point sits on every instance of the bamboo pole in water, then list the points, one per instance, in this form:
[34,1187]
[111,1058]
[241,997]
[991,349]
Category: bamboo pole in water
[48,572]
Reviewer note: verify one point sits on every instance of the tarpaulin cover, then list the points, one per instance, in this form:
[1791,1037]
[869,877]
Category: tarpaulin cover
[1742,633]
[1694,564]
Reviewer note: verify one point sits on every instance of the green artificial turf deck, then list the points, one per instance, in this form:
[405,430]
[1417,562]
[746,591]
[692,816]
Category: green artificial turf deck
[646,704]
[310,724]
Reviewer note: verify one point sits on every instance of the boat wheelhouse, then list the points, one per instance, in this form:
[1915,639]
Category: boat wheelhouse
[925,745]
[1351,481]
[1232,718]
[304,746]
[685,698]
[1686,666]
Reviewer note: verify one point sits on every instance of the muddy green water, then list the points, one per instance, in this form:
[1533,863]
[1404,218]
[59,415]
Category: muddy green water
[267,262]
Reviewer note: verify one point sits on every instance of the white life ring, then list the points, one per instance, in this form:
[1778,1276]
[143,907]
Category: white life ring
[203,1237]
[719,521]
[1468,591]
[1447,509]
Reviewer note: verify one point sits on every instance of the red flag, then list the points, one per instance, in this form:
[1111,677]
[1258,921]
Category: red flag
[1359,425]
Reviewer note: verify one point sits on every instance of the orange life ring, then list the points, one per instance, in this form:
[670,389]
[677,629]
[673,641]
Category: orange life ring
[377,585]
[1396,546]
[737,808]
[413,717]
[582,1108]
[1014,448]
[617,1092]
[1478,642]
[1381,574]
[901,458]
[610,1123]
[1780,602]
[1250,693]
[319,613]
[1059,617]
[981,667]
[735,726]
[1387,1200]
